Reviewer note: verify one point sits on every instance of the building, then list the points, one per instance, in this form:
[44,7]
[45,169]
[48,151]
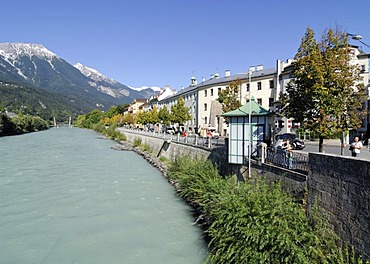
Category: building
[265,86]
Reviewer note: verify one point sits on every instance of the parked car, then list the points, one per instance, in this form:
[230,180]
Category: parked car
[293,140]
[170,130]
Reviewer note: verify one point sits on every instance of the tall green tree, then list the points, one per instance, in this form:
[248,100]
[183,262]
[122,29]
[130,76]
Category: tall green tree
[179,112]
[154,118]
[115,110]
[164,116]
[229,98]
[326,93]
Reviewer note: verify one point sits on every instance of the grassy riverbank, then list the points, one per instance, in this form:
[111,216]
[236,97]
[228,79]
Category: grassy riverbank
[254,222]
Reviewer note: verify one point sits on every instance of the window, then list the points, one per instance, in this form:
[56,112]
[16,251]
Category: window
[259,86]
[219,90]
[205,93]
[205,107]
[211,92]
[362,68]
[247,87]
[205,120]
[271,101]
[271,84]
[259,101]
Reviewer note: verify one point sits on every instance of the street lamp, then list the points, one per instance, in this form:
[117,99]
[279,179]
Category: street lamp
[250,125]
[358,38]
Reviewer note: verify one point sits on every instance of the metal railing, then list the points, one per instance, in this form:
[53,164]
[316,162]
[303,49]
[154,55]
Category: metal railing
[193,139]
[293,160]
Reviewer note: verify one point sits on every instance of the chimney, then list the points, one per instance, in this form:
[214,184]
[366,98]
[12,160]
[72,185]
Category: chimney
[251,68]
[203,79]
[193,81]
[259,67]
[212,76]
[227,73]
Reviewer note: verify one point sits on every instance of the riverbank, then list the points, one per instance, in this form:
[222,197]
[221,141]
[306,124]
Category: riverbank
[184,185]
[155,162]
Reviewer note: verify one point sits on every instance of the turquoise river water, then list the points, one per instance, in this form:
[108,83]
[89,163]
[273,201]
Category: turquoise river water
[67,197]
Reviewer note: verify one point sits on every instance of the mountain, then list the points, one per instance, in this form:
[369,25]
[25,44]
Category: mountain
[32,65]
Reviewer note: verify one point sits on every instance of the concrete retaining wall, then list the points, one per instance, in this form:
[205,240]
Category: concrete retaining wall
[217,155]
[341,186]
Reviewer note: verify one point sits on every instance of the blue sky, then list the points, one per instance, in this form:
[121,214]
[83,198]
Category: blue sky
[165,42]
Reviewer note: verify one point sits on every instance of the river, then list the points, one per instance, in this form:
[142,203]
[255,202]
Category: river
[67,197]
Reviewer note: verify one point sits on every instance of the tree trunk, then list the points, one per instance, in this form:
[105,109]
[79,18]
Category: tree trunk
[341,143]
[321,144]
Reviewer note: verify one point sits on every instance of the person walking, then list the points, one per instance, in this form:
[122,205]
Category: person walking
[356,147]
[288,149]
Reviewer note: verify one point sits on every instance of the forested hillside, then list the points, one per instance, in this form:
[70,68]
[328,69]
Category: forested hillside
[34,101]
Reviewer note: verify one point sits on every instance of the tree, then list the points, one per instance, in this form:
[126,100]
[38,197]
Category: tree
[128,119]
[115,110]
[154,118]
[179,112]
[229,97]
[326,94]
[164,116]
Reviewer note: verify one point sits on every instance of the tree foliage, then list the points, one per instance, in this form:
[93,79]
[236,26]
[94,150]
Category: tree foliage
[229,98]
[164,116]
[179,112]
[20,124]
[327,93]
[29,100]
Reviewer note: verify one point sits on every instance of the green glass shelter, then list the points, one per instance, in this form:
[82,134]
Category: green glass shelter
[241,133]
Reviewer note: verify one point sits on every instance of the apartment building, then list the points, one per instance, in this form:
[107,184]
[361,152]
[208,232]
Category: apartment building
[264,85]
[201,98]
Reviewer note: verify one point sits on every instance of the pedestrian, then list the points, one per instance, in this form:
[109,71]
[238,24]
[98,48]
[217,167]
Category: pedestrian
[356,147]
[267,140]
[288,149]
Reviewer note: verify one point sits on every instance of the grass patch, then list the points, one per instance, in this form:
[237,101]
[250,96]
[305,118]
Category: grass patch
[145,147]
[137,142]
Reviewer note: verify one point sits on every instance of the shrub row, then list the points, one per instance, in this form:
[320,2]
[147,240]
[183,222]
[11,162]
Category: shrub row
[254,222]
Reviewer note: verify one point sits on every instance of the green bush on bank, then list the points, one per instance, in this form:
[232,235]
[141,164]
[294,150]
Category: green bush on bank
[254,222]
[21,124]
[110,132]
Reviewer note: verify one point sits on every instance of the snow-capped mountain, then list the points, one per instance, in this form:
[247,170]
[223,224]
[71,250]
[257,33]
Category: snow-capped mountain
[154,88]
[33,64]
[94,74]
[103,83]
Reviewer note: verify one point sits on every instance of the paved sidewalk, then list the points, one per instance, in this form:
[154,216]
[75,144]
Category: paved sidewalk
[332,146]
[327,142]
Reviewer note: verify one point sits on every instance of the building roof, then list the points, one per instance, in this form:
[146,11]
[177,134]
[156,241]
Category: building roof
[213,81]
[256,108]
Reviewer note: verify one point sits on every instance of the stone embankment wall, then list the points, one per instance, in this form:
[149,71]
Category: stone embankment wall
[292,181]
[217,155]
[341,186]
